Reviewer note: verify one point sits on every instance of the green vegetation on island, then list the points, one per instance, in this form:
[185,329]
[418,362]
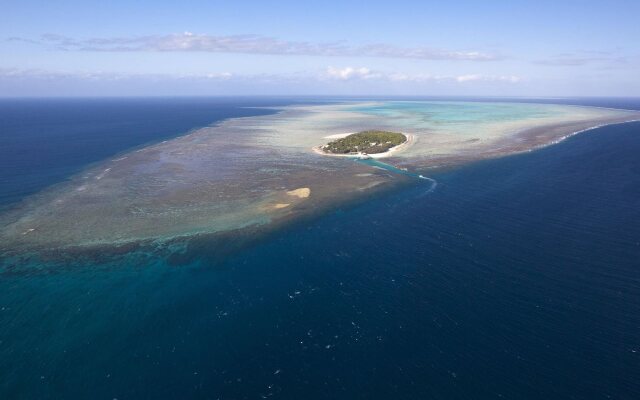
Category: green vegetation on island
[369,142]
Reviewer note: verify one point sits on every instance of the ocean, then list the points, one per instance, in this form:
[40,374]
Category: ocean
[515,278]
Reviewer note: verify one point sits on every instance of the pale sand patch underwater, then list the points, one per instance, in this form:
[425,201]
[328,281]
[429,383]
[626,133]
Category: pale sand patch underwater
[302,193]
[257,171]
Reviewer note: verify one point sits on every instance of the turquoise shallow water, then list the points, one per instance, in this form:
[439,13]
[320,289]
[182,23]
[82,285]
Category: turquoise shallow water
[439,112]
[515,278]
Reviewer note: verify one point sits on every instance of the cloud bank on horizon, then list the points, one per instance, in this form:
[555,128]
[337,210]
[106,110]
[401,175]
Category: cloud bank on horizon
[416,49]
[249,44]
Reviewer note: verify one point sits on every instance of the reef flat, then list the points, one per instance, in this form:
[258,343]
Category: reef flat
[259,171]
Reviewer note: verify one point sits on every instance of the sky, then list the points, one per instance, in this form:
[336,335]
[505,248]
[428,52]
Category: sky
[422,48]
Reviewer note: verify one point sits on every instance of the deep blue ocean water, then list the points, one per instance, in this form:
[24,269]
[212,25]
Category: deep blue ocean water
[517,278]
[45,141]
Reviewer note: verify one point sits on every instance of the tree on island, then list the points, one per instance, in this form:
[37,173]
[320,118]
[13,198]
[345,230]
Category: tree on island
[369,142]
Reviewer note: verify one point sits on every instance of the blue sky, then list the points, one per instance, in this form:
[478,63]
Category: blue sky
[514,48]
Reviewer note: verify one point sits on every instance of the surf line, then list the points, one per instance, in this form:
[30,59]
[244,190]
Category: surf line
[388,167]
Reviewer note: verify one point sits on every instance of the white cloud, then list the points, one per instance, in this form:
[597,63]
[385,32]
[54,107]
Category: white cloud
[216,75]
[348,73]
[363,73]
[252,44]
[38,74]
[401,77]
[487,78]
[468,78]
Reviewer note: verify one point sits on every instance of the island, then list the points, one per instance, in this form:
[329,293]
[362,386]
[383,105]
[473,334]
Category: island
[234,180]
[365,142]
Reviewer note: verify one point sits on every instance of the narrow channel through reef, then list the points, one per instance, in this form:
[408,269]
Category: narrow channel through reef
[400,171]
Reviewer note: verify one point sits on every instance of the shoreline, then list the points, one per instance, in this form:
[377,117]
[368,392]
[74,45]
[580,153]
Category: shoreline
[104,254]
[44,221]
[18,259]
